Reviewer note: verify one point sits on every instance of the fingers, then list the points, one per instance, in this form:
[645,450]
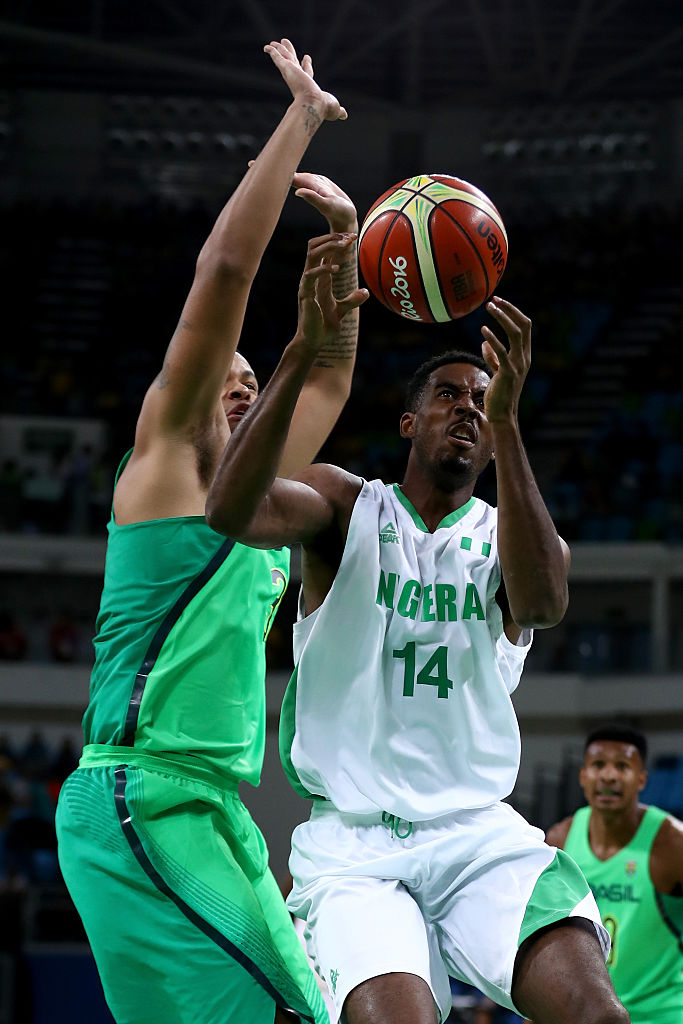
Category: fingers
[351,301]
[282,53]
[489,356]
[314,182]
[338,241]
[516,325]
[317,199]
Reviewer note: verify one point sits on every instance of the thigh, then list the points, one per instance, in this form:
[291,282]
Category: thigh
[168,901]
[513,880]
[391,999]
[560,977]
[367,928]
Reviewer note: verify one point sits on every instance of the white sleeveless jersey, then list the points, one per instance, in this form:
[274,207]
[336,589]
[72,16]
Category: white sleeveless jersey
[400,700]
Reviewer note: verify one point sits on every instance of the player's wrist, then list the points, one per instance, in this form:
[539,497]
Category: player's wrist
[345,224]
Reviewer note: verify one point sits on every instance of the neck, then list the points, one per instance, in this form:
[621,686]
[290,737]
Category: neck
[432,500]
[609,831]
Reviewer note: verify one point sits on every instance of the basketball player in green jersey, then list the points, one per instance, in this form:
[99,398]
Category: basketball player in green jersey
[164,864]
[419,601]
[632,857]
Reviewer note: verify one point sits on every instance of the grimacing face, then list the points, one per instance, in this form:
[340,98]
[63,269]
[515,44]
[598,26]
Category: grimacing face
[612,775]
[449,428]
[240,390]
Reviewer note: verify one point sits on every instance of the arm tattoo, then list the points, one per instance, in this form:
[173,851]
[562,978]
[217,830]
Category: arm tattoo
[312,121]
[162,377]
[343,346]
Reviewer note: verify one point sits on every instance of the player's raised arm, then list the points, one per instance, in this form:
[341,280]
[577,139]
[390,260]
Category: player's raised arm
[245,500]
[328,384]
[202,348]
[534,560]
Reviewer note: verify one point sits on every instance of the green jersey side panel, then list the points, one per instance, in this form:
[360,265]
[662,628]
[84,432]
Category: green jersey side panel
[180,644]
[646,961]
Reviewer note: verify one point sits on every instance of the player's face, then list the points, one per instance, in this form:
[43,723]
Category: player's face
[612,775]
[449,430]
[239,391]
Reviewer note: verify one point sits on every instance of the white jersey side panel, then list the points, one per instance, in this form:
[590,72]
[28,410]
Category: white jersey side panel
[401,697]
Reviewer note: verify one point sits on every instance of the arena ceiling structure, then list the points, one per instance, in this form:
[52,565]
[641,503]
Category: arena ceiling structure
[411,55]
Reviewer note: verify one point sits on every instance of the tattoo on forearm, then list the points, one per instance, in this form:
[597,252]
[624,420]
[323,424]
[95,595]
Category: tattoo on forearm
[341,349]
[346,278]
[162,378]
[312,121]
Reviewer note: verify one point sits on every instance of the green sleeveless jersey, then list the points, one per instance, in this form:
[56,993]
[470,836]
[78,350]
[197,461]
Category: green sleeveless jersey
[646,960]
[180,645]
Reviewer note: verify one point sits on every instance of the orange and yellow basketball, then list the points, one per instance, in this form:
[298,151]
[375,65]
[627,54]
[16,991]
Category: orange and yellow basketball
[432,248]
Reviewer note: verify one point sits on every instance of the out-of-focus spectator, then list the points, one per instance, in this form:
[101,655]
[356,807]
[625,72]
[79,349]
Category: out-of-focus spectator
[77,482]
[44,497]
[11,496]
[64,638]
[65,761]
[30,841]
[34,758]
[101,492]
[13,639]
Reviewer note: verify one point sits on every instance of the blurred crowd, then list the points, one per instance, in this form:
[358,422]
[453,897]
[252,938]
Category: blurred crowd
[31,776]
[61,638]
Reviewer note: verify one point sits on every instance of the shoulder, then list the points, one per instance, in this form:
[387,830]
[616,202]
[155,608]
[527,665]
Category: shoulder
[669,838]
[666,857]
[557,833]
[337,485]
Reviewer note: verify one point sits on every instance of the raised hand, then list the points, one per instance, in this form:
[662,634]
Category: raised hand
[320,313]
[299,77]
[510,365]
[327,198]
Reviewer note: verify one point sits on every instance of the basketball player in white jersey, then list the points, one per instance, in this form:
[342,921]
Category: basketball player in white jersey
[419,603]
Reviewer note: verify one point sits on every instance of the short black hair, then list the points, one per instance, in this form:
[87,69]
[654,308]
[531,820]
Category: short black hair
[418,382]
[619,732]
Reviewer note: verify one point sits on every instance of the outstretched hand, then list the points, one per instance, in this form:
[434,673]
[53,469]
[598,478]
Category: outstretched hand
[320,313]
[327,198]
[509,365]
[299,77]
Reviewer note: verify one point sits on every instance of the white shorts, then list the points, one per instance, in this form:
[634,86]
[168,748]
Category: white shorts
[454,896]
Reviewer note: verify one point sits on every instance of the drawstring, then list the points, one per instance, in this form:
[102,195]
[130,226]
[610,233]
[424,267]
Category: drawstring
[393,822]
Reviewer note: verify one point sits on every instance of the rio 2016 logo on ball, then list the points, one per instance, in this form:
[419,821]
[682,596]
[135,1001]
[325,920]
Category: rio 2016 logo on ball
[432,248]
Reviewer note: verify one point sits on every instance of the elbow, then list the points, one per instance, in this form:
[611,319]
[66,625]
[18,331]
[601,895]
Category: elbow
[224,264]
[544,614]
[219,518]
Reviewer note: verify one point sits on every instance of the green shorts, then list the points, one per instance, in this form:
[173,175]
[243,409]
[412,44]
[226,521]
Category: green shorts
[170,876]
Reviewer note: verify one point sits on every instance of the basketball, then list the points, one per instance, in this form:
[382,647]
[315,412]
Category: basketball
[432,248]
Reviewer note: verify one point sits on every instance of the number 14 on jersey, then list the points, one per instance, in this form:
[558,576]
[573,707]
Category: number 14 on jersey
[433,673]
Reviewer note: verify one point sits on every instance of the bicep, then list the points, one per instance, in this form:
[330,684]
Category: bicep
[292,512]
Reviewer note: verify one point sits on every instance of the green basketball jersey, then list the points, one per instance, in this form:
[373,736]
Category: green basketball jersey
[180,645]
[646,961]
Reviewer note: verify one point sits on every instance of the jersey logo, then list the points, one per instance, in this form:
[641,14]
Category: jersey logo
[388,534]
[466,545]
[279,581]
[631,866]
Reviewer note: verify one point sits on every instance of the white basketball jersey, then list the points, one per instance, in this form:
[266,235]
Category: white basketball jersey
[400,700]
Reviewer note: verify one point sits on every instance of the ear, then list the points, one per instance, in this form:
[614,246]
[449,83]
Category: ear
[643,780]
[407,424]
